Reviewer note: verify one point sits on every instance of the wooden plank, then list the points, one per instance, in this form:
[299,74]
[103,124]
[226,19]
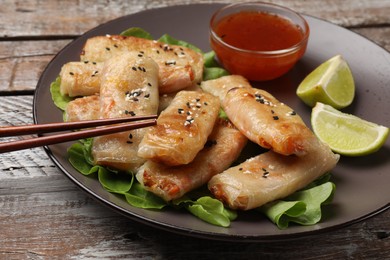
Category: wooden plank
[48,18]
[45,215]
[22,62]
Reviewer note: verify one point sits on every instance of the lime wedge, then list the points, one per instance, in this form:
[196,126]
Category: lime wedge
[330,83]
[347,134]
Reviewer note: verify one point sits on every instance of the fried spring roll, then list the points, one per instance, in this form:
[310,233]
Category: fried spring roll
[262,118]
[125,91]
[270,176]
[222,149]
[80,78]
[182,129]
[179,67]
[84,108]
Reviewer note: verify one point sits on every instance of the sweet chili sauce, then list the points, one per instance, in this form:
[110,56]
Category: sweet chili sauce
[257,31]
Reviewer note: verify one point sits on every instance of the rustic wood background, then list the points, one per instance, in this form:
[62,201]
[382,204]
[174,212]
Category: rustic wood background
[44,215]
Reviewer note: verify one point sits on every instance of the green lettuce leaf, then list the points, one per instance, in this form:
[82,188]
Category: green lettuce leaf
[214,73]
[302,207]
[114,181]
[137,32]
[138,197]
[207,209]
[173,41]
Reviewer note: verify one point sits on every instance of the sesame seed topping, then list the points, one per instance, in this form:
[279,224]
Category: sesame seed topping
[170,62]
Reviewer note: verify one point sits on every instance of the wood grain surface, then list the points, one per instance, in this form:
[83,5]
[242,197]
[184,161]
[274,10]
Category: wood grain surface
[43,215]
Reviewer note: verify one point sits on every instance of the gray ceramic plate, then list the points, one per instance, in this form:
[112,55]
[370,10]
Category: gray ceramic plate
[362,183]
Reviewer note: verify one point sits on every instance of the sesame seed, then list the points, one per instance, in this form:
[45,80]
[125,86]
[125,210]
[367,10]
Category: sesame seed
[71,73]
[172,62]
[275,117]
[107,48]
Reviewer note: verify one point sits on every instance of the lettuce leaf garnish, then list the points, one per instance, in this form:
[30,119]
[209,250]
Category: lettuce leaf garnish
[208,209]
[303,207]
[137,32]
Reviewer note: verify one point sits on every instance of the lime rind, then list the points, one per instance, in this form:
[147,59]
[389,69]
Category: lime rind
[347,134]
[330,83]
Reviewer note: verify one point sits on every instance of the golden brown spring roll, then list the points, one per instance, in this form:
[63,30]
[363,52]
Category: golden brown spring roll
[129,88]
[171,182]
[84,108]
[80,78]
[182,129]
[179,67]
[262,118]
[270,176]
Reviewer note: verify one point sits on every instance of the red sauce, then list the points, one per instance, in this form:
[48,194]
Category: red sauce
[257,31]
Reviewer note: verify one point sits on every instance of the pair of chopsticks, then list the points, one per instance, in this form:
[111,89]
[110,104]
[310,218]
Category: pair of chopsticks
[104,129]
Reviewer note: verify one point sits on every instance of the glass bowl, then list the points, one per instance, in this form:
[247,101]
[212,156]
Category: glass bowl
[259,61]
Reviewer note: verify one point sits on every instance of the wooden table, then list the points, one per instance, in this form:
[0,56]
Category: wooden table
[44,215]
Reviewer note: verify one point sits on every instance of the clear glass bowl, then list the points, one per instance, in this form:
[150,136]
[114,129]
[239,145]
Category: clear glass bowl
[258,65]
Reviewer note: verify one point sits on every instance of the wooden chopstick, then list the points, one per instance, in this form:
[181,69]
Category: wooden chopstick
[66,137]
[65,126]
